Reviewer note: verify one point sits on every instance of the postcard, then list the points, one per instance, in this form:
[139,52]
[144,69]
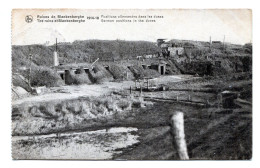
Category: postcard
[131,84]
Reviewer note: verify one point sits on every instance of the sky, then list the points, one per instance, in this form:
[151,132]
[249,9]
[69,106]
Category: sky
[233,24]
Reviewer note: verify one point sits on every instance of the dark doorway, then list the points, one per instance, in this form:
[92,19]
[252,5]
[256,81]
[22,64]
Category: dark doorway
[162,70]
[86,70]
[209,69]
[107,68]
[77,71]
[62,76]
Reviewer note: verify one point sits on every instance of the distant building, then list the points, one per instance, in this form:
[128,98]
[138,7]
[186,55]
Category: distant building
[148,56]
[160,67]
[176,51]
[47,43]
[160,41]
[166,45]
[216,44]
[64,43]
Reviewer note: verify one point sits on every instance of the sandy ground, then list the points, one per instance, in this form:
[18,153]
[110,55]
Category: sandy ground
[211,132]
[74,91]
[100,144]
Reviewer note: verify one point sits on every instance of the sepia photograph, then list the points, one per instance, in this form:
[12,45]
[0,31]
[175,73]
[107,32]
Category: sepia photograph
[131,84]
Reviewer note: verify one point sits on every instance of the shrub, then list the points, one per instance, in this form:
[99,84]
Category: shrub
[100,74]
[120,72]
[117,71]
[81,78]
[138,71]
[123,104]
[151,73]
[43,76]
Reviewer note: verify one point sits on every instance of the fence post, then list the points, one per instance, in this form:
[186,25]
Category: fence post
[147,84]
[177,129]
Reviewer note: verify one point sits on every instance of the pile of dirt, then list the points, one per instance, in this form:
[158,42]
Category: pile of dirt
[121,72]
[39,76]
[100,74]
[44,76]
[138,71]
[151,73]
[82,77]
[77,79]
[172,69]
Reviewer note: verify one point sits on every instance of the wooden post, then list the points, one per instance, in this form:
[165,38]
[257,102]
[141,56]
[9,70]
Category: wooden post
[140,90]
[177,129]
[130,90]
[147,83]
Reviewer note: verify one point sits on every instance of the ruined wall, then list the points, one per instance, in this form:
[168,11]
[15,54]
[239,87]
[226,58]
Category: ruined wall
[176,51]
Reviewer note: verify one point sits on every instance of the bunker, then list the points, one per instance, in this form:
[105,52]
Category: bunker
[161,68]
[61,74]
